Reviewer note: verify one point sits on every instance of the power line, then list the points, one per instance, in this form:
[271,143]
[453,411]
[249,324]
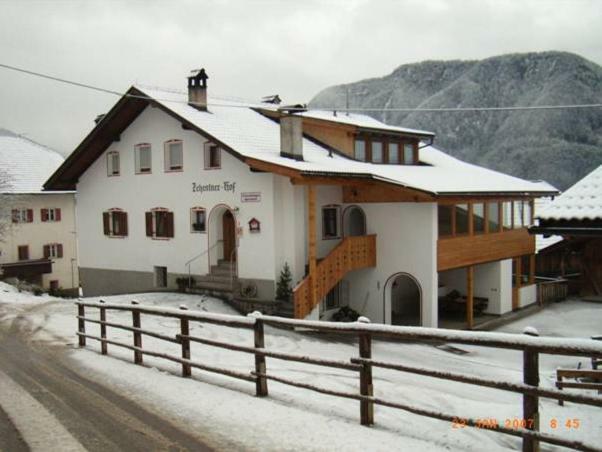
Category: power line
[304,108]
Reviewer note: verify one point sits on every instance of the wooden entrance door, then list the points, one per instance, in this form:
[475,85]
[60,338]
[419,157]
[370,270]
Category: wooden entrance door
[229,230]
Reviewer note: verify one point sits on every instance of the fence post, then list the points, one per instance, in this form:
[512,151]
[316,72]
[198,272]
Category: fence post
[81,324]
[366,389]
[185,331]
[137,335]
[261,383]
[103,329]
[531,402]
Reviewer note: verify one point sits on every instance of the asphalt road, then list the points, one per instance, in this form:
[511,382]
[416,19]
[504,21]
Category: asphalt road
[46,403]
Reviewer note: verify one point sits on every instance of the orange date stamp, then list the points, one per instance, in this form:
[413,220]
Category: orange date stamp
[492,423]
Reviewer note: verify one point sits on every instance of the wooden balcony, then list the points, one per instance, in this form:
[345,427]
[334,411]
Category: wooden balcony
[462,251]
[353,253]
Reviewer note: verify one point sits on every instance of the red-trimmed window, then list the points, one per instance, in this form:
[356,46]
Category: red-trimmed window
[23,252]
[52,214]
[53,250]
[174,155]
[143,158]
[112,163]
[198,219]
[22,215]
[115,223]
[213,158]
[159,223]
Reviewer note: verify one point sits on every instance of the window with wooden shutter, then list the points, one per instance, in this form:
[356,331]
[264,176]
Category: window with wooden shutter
[57,214]
[46,251]
[59,250]
[105,223]
[44,215]
[124,223]
[149,223]
[30,215]
[15,216]
[23,252]
[170,225]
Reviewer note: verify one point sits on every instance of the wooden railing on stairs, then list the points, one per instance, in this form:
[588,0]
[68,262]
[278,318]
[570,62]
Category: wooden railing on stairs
[352,253]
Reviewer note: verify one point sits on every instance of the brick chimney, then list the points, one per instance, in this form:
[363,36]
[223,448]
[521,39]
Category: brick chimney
[291,136]
[197,89]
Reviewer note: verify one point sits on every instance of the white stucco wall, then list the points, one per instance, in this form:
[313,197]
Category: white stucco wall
[137,194]
[38,233]
[528,295]
[406,242]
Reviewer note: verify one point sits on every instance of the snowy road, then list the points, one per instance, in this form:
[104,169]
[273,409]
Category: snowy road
[46,404]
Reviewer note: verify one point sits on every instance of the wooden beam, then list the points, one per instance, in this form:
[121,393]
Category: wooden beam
[312,254]
[272,168]
[322,180]
[470,297]
[383,192]
[532,269]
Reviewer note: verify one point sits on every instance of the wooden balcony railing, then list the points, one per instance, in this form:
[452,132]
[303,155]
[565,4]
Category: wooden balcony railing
[352,253]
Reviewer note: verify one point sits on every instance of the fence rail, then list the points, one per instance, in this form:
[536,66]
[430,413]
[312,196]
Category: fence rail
[363,364]
[552,290]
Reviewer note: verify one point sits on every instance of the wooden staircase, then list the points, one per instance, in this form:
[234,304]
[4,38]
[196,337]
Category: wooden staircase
[353,253]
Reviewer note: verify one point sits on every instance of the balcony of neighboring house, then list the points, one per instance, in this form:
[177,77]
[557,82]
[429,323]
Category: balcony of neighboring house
[485,260]
[30,270]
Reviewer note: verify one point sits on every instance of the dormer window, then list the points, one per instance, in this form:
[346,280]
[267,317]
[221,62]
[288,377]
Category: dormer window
[360,150]
[113,163]
[408,154]
[394,153]
[174,155]
[377,152]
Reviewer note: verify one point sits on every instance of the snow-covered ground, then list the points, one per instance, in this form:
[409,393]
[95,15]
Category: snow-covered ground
[225,411]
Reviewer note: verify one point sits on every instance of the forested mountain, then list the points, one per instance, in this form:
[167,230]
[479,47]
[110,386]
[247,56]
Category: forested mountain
[559,146]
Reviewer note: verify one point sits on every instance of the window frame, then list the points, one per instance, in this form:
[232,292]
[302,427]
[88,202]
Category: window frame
[167,156]
[22,215]
[154,223]
[26,252]
[337,216]
[365,150]
[111,223]
[137,163]
[110,168]
[193,211]
[208,149]
[55,251]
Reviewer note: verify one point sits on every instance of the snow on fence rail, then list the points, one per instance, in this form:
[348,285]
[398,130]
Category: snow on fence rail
[531,347]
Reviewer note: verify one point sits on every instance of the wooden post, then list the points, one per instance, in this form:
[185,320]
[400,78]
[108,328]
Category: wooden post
[261,383]
[81,325]
[185,331]
[137,335]
[312,254]
[517,282]
[470,297]
[103,329]
[531,402]
[532,269]
[366,388]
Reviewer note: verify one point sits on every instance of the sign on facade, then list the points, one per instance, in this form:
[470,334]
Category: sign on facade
[253,196]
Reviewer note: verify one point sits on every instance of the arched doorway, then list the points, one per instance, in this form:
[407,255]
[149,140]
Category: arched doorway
[405,300]
[221,235]
[229,236]
[354,221]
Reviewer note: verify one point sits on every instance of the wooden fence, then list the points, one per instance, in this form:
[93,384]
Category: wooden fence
[551,290]
[363,364]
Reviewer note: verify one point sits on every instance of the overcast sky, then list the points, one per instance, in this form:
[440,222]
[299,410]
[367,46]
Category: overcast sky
[252,48]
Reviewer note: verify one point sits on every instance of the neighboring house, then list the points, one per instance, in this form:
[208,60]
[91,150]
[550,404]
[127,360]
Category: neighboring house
[367,215]
[37,242]
[574,219]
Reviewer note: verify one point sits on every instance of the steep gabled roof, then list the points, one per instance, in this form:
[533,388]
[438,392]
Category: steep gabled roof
[252,137]
[24,164]
[582,201]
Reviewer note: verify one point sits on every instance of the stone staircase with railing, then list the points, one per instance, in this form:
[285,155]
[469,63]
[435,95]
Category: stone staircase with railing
[220,282]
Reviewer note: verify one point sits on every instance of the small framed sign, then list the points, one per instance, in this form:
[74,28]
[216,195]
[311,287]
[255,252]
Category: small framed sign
[252,196]
[254,225]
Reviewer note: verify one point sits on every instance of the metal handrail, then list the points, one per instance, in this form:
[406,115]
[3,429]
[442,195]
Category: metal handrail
[187,264]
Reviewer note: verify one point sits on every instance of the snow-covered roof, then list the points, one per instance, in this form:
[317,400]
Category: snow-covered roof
[359,120]
[24,164]
[252,135]
[583,201]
